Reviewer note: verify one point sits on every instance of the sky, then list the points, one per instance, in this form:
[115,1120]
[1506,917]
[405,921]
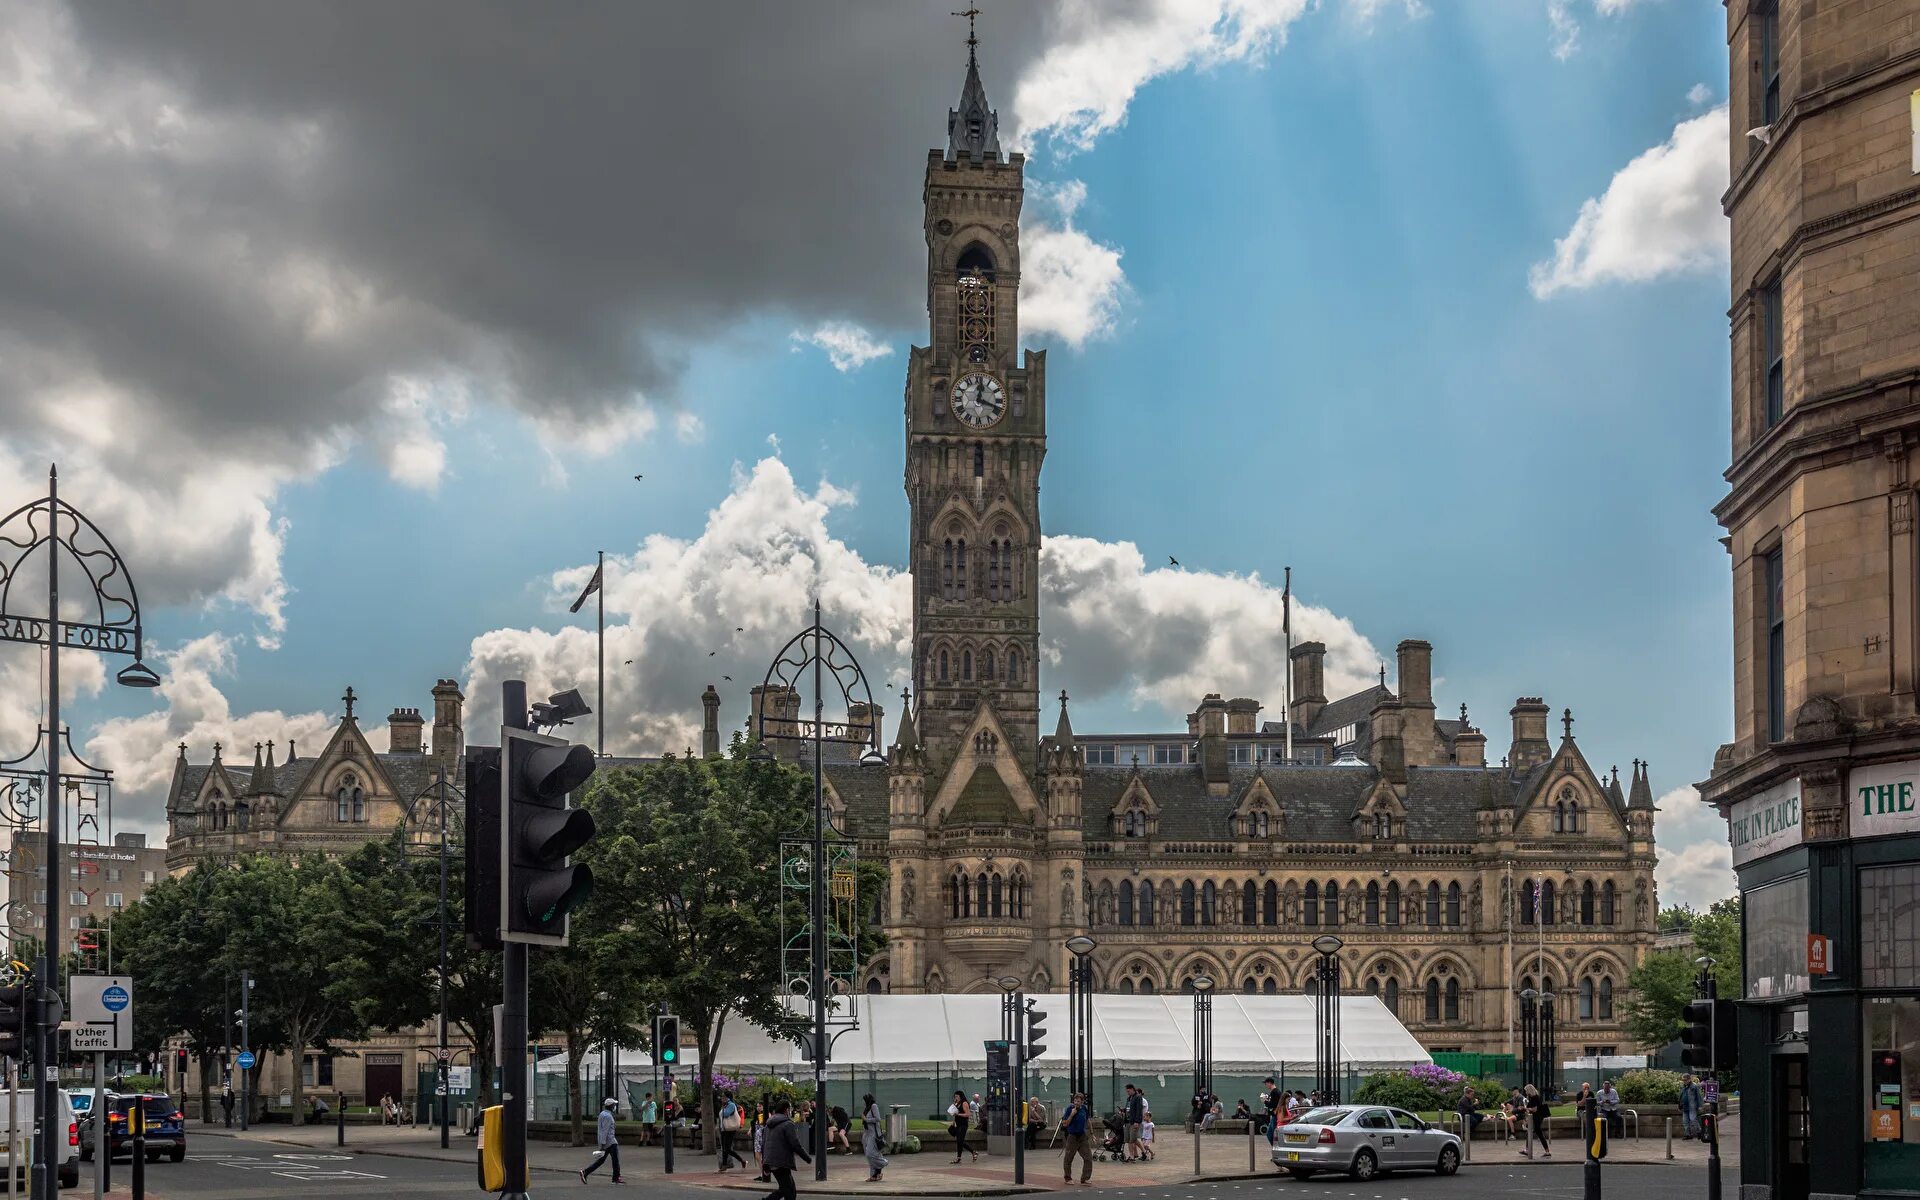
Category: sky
[352,326]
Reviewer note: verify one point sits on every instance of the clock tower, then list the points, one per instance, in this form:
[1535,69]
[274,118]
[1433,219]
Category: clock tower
[976,435]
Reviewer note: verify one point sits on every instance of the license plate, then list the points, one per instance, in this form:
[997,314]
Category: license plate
[1293,1158]
[1296,1137]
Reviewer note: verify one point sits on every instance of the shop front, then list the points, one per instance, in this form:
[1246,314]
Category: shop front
[1829,1019]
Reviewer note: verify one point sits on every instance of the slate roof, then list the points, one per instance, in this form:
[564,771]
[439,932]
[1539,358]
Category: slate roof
[412,774]
[1348,710]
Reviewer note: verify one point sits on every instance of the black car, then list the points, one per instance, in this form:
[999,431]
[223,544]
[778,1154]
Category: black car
[166,1131]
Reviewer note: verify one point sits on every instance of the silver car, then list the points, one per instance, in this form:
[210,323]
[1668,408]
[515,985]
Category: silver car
[1362,1140]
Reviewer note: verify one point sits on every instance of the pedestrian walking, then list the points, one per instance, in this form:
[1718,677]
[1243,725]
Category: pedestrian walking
[730,1122]
[1073,1124]
[1136,1117]
[784,1143]
[1536,1111]
[872,1139]
[226,1103]
[1271,1102]
[961,1112]
[607,1146]
[1146,1139]
[649,1121]
[1689,1107]
[760,1140]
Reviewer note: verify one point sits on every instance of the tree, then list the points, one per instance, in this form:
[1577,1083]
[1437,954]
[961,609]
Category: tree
[590,991]
[172,941]
[1664,983]
[687,862]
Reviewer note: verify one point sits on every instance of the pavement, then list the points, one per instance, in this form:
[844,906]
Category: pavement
[1224,1160]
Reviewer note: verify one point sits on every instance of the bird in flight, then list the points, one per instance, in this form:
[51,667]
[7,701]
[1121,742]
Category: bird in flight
[739,628]
[639,477]
[1172,561]
[728,678]
[629,662]
[711,653]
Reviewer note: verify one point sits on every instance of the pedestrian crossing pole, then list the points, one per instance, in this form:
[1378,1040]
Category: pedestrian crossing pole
[1596,1139]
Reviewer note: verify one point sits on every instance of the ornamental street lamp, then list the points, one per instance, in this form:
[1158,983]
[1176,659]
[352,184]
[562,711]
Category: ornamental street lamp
[817,652]
[1547,1047]
[1203,1035]
[1529,1037]
[1326,1011]
[1080,1014]
[115,606]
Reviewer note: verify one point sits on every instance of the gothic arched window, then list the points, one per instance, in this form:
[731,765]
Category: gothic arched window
[1452,1012]
[1586,998]
[1559,818]
[1330,904]
[1013,664]
[1606,903]
[1373,902]
[1453,904]
[996,909]
[1262,826]
[1186,903]
[240,810]
[1383,826]
[1146,902]
[1431,1009]
[966,664]
[1528,904]
[1393,903]
[347,799]
[1310,909]
[1125,988]
[1586,903]
[1270,904]
[945,667]
[979,459]
[1547,913]
[1208,898]
[980,889]
[1393,997]
[960,566]
[1126,902]
[1606,997]
[947,564]
[1433,904]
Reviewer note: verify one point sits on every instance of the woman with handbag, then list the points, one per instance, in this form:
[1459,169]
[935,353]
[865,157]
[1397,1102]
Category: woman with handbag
[872,1137]
[961,1110]
[730,1123]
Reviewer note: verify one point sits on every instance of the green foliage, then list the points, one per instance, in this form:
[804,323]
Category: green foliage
[1398,1089]
[142,1083]
[1662,985]
[1649,1087]
[1676,918]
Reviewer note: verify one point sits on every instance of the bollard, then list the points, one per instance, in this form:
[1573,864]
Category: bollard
[1595,1142]
[139,1117]
[1466,1138]
[339,1119]
[1196,1149]
[1669,1137]
[1250,1149]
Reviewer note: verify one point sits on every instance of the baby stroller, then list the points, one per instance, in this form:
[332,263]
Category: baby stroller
[1113,1143]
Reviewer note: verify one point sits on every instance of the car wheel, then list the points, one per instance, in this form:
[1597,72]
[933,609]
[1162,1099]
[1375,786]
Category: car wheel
[1365,1165]
[1303,1172]
[179,1154]
[1449,1161]
[70,1178]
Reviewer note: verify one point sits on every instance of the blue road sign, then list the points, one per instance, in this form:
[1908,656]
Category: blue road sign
[115,998]
[245,1060]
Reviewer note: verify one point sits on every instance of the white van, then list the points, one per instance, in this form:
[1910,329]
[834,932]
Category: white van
[23,1126]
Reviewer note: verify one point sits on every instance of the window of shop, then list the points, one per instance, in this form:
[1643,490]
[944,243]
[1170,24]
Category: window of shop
[1776,918]
[1890,1160]
[1890,926]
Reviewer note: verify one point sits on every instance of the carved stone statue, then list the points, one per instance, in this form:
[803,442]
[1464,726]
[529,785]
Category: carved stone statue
[1066,897]
[906,893]
[1476,904]
[1506,902]
[1640,903]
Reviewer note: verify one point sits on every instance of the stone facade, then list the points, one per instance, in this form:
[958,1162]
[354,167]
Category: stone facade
[1825,422]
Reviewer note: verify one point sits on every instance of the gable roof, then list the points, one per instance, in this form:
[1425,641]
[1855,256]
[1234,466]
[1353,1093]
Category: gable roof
[1348,710]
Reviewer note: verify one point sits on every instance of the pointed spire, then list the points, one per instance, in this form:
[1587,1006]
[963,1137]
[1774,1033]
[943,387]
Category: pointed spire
[1641,797]
[253,782]
[1063,732]
[216,752]
[348,700]
[183,752]
[973,129]
[263,777]
[1566,720]
[908,738]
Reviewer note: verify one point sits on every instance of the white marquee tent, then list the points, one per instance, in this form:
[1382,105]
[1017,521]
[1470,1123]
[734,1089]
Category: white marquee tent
[1251,1034]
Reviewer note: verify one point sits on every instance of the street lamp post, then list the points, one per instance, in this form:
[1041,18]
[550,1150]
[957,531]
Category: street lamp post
[816,651]
[61,528]
[1547,1049]
[1326,1009]
[1080,1015]
[1529,1038]
[1203,1035]
[1012,1028]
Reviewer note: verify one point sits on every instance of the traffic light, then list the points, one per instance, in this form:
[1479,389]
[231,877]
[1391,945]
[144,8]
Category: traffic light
[1035,1043]
[1697,1035]
[539,830]
[13,1020]
[482,845]
[1726,1036]
[666,1041]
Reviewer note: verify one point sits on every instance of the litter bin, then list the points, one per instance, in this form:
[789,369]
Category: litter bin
[897,1124]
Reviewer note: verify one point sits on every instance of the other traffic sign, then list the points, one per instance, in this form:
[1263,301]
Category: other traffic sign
[114,997]
[244,1060]
[102,1012]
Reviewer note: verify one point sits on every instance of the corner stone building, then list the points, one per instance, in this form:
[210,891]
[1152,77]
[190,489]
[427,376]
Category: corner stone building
[1204,850]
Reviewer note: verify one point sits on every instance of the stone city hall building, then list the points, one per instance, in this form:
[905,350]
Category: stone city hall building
[1223,848]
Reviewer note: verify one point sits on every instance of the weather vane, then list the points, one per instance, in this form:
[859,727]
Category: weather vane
[970,14]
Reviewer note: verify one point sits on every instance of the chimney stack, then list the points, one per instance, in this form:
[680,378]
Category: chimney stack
[1469,744]
[1241,715]
[1309,665]
[1530,747]
[403,731]
[1416,672]
[449,738]
[1211,719]
[710,730]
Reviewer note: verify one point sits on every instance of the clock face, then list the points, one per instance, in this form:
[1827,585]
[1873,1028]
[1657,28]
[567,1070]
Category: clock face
[979,400]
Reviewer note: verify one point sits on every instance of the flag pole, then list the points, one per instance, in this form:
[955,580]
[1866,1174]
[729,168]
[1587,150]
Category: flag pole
[1286,669]
[600,595]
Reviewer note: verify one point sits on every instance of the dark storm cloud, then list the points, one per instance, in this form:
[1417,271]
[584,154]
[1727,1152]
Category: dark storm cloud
[544,200]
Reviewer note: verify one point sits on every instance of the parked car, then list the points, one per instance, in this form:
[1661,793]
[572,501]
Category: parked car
[1363,1141]
[27,1128]
[166,1131]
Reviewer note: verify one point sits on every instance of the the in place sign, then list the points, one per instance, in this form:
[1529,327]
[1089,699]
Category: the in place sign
[1884,798]
[1765,824]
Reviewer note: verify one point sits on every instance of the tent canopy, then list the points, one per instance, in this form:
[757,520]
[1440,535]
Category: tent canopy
[1250,1033]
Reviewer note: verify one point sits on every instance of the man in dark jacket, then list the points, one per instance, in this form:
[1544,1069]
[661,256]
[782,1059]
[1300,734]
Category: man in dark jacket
[783,1143]
[1136,1116]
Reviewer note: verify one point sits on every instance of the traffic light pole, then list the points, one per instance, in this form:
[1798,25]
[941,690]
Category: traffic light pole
[46,1084]
[818,917]
[513,998]
[1019,1069]
[1589,1119]
[1713,1071]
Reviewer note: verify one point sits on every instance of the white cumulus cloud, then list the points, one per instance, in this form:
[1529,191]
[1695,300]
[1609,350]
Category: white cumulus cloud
[1070,285]
[1102,53]
[687,612]
[1696,862]
[849,346]
[1659,216]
